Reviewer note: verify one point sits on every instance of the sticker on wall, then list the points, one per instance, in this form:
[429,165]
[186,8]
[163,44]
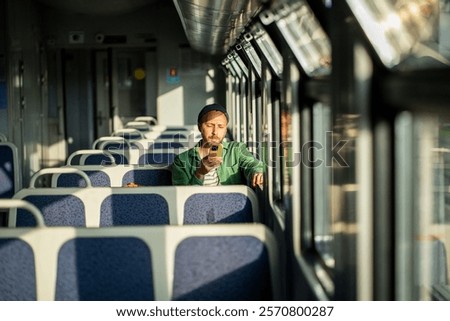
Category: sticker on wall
[172,76]
[139,73]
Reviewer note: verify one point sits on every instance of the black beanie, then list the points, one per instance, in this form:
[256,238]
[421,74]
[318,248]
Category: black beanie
[209,108]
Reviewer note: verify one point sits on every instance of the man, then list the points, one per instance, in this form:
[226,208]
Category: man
[197,166]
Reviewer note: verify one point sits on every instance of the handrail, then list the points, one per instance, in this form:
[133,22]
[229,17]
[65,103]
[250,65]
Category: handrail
[60,170]
[129,131]
[15,203]
[90,152]
[106,139]
[148,119]
[139,125]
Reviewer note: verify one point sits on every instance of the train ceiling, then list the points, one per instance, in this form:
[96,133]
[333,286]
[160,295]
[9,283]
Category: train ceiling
[211,26]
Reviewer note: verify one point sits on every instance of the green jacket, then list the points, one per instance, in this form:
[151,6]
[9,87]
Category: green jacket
[238,165]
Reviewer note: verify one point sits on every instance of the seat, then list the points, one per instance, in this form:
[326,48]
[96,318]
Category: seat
[10,178]
[129,133]
[58,207]
[95,157]
[111,142]
[18,275]
[115,176]
[145,205]
[148,119]
[95,206]
[98,178]
[203,262]
[104,269]
[154,176]
[167,144]
[222,268]
[17,261]
[218,204]
[134,209]
[158,157]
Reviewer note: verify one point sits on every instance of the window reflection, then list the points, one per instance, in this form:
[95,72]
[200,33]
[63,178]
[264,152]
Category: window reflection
[323,237]
[408,34]
[432,211]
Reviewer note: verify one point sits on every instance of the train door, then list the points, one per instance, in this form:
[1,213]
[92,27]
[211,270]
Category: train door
[103,94]
[78,102]
[104,89]
[134,83]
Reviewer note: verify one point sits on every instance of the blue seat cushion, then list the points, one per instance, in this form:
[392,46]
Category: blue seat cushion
[222,268]
[134,209]
[104,269]
[57,210]
[150,177]
[205,208]
[17,272]
[98,179]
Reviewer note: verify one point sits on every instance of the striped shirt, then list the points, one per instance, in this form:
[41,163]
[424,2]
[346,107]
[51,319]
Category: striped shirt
[211,178]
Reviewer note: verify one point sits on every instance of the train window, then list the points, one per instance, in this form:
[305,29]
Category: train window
[236,59]
[287,150]
[323,236]
[266,45]
[424,212]
[251,53]
[413,33]
[305,37]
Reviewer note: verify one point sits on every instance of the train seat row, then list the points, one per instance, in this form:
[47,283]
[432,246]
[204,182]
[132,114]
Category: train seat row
[105,206]
[117,142]
[113,176]
[163,157]
[137,129]
[203,262]
[87,237]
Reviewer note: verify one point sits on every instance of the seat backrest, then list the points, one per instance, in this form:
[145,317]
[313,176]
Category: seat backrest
[64,209]
[219,204]
[134,209]
[168,144]
[202,262]
[97,206]
[204,208]
[99,159]
[116,176]
[17,262]
[148,119]
[129,133]
[18,275]
[111,142]
[222,268]
[9,170]
[94,157]
[165,158]
[104,269]
[174,135]
[104,206]
[98,178]
[148,177]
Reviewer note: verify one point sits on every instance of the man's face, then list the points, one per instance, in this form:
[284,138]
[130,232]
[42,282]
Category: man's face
[213,127]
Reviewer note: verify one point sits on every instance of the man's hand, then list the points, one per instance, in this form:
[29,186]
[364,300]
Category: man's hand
[258,180]
[207,164]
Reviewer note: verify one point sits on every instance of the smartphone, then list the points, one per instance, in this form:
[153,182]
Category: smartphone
[216,150]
